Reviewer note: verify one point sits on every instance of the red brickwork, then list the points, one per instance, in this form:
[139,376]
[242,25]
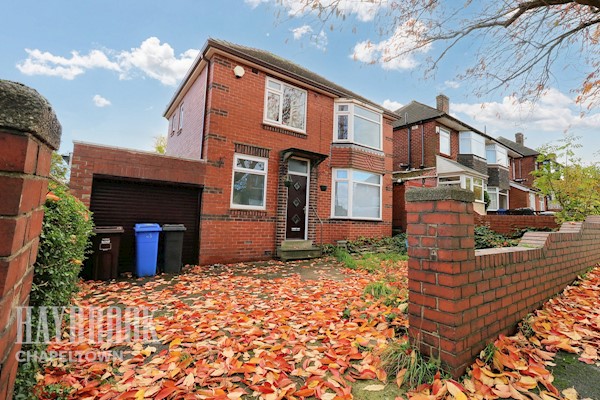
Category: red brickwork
[507,224]
[431,144]
[27,139]
[91,159]
[235,116]
[461,299]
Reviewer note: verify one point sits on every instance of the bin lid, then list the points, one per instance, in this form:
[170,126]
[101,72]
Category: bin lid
[108,229]
[173,228]
[147,227]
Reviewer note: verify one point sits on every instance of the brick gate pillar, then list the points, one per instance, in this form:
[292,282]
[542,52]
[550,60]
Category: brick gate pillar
[441,260]
[29,131]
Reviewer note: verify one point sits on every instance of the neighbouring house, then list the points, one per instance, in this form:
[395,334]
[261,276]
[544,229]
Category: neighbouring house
[433,148]
[292,159]
[523,193]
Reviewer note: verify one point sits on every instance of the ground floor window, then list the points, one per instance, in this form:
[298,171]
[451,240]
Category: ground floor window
[498,199]
[249,186]
[356,194]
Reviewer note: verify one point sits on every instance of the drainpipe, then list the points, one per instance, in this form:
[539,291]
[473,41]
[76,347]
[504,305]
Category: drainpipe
[202,145]
[422,145]
[409,133]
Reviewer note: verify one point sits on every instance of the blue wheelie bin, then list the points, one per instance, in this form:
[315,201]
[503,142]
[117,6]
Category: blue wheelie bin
[146,248]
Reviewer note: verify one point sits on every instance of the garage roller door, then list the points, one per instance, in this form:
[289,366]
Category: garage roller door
[125,202]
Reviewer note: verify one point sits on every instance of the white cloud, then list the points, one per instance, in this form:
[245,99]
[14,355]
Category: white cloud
[391,104]
[364,11]
[452,84]
[301,31]
[152,59]
[318,40]
[554,112]
[393,53]
[100,101]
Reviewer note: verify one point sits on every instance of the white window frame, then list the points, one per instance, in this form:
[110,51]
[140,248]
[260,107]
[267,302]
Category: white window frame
[181,116]
[444,133]
[466,182]
[350,182]
[351,114]
[496,149]
[495,192]
[280,93]
[470,142]
[250,171]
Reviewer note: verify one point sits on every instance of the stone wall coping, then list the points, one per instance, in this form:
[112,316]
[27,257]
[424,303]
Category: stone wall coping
[439,193]
[24,110]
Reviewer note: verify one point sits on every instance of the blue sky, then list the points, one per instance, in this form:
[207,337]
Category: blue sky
[110,67]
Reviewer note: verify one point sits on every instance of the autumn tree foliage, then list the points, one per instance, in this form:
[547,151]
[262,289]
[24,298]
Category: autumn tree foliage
[519,46]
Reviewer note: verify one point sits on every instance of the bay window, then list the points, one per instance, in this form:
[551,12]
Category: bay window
[475,184]
[496,154]
[249,187]
[357,124]
[472,143]
[285,105]
[356,194]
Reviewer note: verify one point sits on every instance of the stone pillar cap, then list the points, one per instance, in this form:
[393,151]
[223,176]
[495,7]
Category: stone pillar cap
[24,110]
[440,193]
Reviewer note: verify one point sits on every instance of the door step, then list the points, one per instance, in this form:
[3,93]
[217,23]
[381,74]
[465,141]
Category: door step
[298,250]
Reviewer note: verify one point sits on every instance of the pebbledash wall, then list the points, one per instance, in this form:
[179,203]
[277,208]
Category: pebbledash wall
[461,299]
[29,132]
[233,123]
[508,224]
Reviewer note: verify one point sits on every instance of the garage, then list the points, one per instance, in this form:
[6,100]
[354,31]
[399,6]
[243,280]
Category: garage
[127,201]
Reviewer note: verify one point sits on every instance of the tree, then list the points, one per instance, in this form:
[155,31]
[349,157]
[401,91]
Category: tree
[160,144]
[519,44]
[574,186]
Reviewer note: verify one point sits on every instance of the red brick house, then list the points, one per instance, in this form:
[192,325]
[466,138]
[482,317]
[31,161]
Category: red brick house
[292,159]
[433,148]
[522,192]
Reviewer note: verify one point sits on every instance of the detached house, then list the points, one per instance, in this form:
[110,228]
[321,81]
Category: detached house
[433,148]
[292,159]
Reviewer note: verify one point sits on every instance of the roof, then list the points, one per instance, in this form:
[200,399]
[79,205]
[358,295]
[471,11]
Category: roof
[416,112]
[519,148]
[273,62]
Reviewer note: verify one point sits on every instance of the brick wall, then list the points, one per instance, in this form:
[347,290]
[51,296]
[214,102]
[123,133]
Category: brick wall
[91,159]
[235,118]
[431,144]
[461,299]
[29,131]
[507,224]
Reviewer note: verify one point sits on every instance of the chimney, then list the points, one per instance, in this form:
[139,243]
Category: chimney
[443,103]
[519,138]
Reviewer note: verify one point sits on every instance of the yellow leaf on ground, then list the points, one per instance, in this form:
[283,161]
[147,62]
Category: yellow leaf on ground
[570,394]
[374,388]
[455,391]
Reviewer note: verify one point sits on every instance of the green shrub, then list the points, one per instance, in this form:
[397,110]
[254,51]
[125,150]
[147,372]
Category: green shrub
[486,238]
[64,243]
[416,370]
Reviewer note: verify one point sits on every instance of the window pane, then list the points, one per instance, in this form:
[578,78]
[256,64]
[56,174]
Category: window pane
[342,127]
[273,106]
[363,112]
[292,113]
[295,165]
[444,142]
[341,174]
[360,176]
[274,85]
[248,189]
[250,164]
[367,133]
[503,201]
[343,107]
[478,190]
[365,201]
[341,199]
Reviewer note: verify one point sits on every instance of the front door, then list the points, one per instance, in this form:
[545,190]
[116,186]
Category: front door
[297,204]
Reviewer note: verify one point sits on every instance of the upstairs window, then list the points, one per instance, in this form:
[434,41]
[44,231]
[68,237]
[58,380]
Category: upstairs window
[181,117]
[472,143]
[496,155]
[249,189]
[357,124]
[285,105]
[444,141]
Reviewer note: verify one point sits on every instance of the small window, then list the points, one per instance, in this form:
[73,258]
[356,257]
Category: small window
[285,105]
[445,142]
[181,117]
[356,194]
[358,125]
[172,123]
[249,188]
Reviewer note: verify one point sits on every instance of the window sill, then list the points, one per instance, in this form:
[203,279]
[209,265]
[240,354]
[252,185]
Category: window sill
[357,219]
[283,127]
[347,143]
[179,131]
[234,207]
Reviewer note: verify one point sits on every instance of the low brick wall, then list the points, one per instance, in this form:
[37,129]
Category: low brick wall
[461,299]
[507,224]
